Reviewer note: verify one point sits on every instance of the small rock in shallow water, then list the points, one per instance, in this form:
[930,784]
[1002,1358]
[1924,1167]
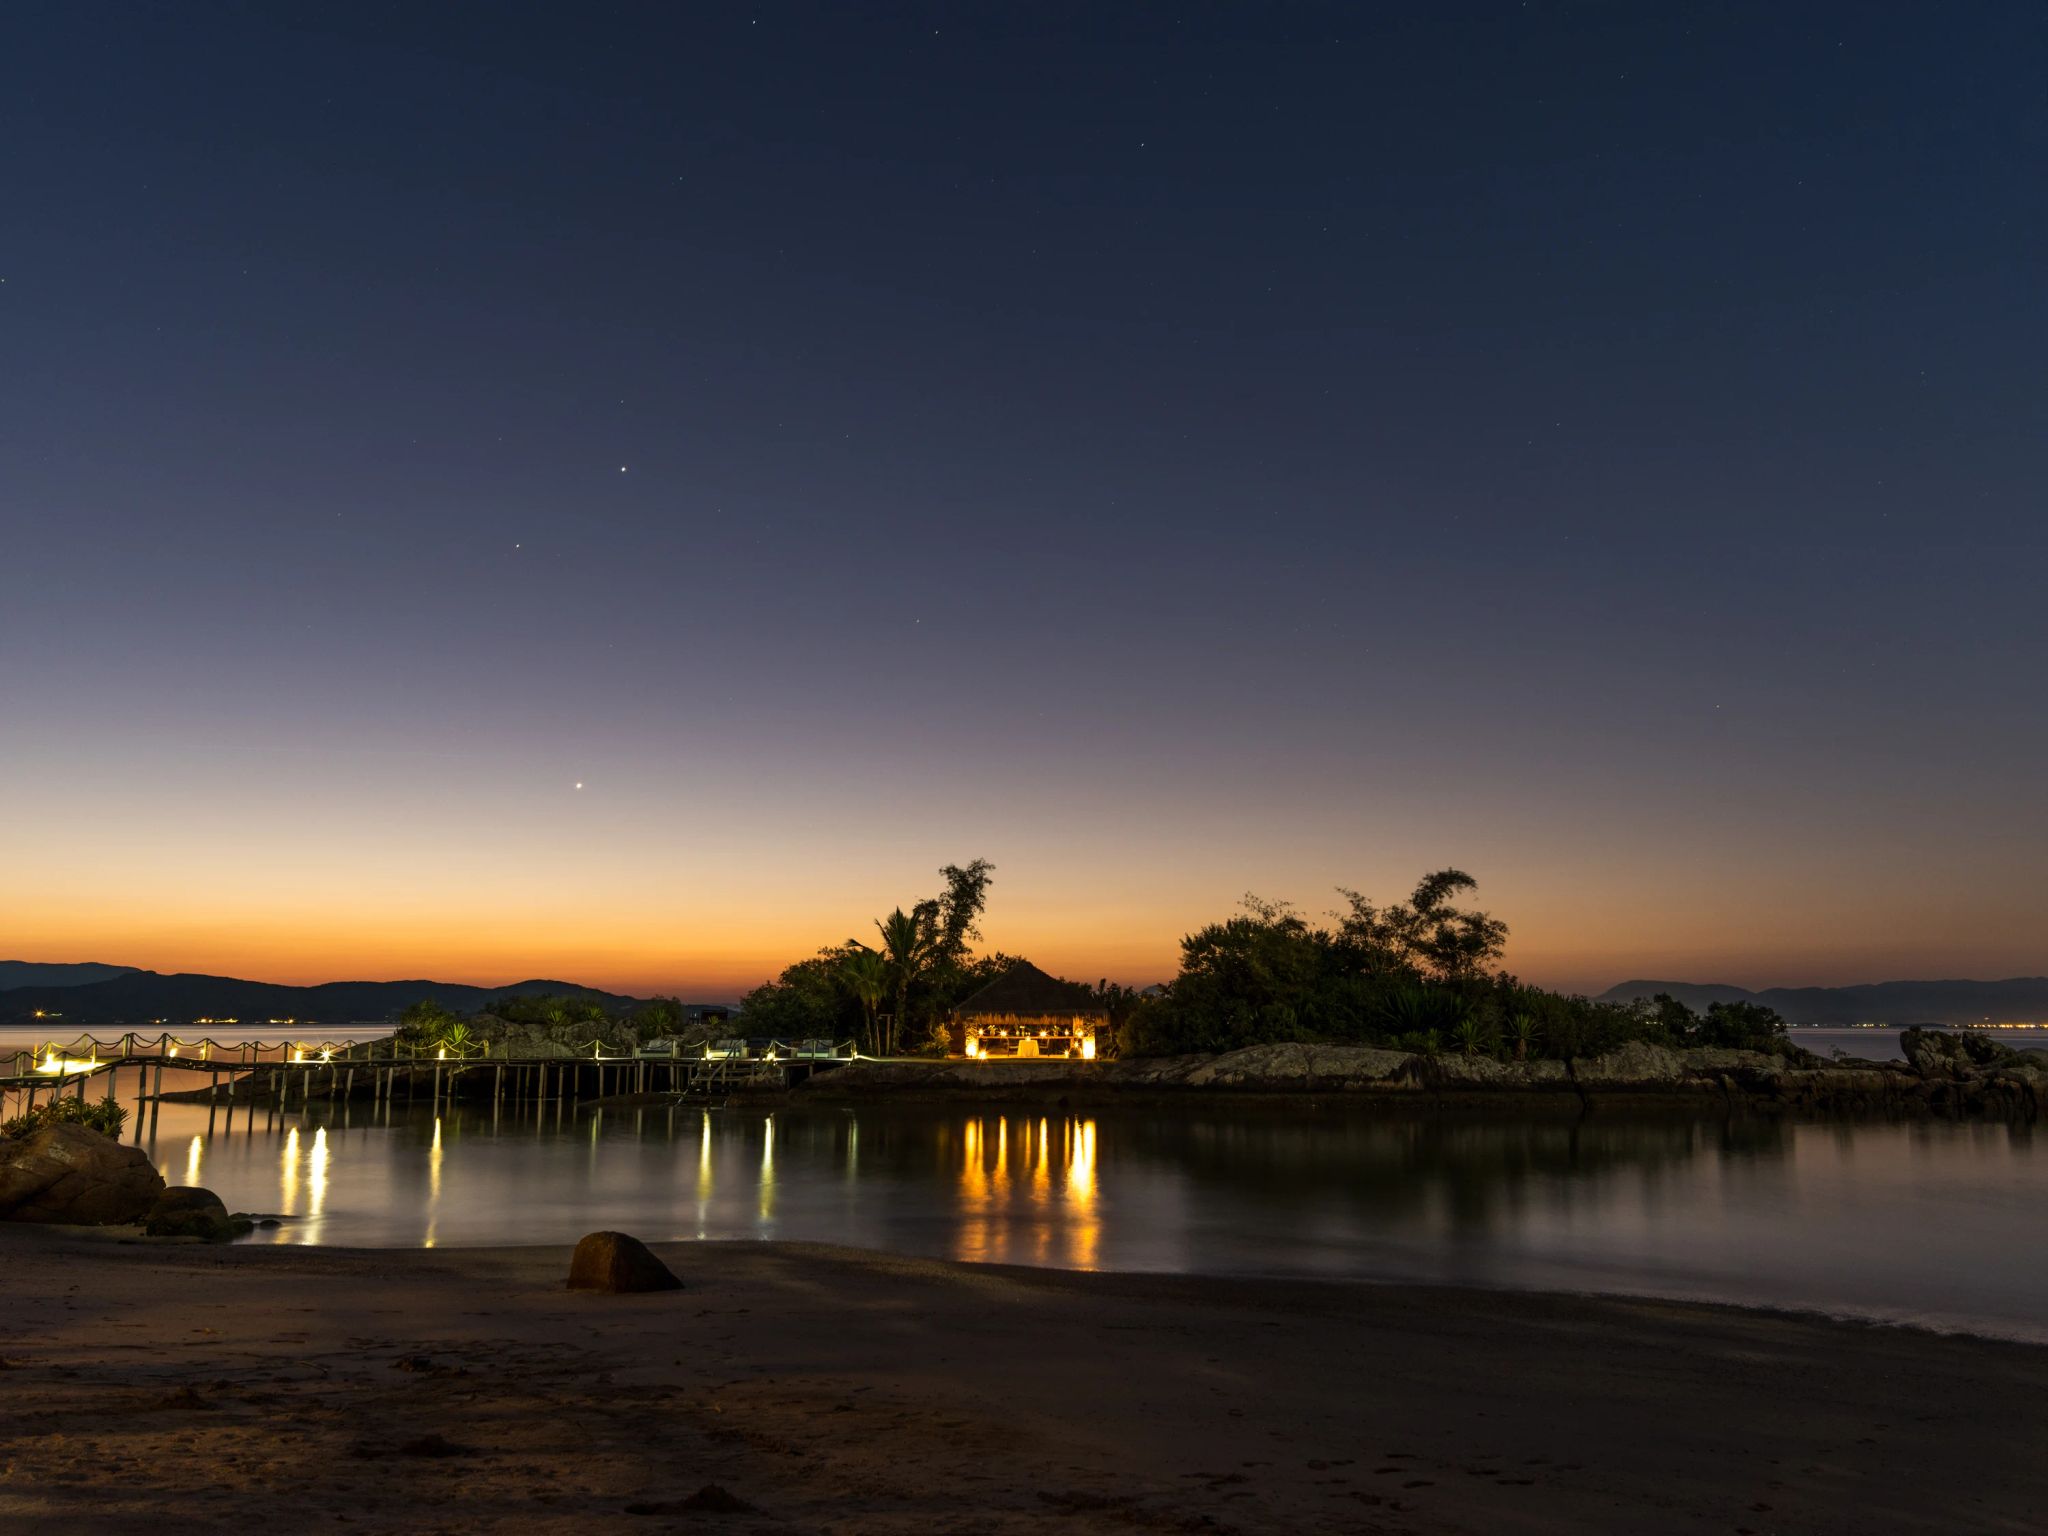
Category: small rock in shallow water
[615,1263]
[185,1210]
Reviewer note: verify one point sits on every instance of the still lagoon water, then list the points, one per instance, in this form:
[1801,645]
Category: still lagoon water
[1936,1223]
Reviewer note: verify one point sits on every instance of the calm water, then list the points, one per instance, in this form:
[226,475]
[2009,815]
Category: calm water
[1937,1223]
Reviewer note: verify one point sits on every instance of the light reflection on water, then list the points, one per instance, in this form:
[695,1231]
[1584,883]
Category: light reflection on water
[1033,1205]
[1926,1221]
[288,1194]
[433,1189]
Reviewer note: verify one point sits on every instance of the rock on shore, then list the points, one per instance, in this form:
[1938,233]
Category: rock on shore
[73,1174]
[185,1210]
[619,1265]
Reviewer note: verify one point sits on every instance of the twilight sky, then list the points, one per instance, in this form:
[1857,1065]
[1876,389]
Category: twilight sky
[1167,450]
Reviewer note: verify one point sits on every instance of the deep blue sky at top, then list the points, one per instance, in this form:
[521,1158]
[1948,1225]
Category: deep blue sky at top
[1625,416]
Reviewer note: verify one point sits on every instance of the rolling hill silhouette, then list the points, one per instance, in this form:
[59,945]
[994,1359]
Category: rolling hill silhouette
[139,998]
[30,973]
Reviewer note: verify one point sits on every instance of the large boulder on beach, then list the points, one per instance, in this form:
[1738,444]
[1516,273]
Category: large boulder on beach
[616,1264]
[186,1210]
[71,1174]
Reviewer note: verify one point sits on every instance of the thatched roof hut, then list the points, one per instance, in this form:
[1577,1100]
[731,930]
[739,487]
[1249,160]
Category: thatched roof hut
[1025,1012]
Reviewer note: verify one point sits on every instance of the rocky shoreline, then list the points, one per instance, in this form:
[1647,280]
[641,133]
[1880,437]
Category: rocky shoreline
[1942,1075]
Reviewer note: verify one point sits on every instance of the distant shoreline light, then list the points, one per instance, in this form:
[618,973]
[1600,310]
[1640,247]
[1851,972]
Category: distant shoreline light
[1987,1024]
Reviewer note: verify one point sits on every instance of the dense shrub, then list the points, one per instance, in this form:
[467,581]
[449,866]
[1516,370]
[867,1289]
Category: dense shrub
[808,1001]
[104,1116]
[1742,1027]
[552,1010]
[567,1019]
[1411,977]
[815,1000]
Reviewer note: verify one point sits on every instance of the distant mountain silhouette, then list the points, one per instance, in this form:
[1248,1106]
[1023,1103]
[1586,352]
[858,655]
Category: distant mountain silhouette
[29,973]
[140,998]
[2020,999]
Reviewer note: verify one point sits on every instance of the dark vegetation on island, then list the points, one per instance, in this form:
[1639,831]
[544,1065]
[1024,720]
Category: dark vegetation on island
[889,996]
[892,995]
[548,1023]
[1419,975]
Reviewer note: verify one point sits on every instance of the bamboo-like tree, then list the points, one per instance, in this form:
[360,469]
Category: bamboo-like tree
[1424,936]
[907,949]
[865,974]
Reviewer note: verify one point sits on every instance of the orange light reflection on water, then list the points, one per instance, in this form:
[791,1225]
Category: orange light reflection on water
[1036,1203]
[433,1187]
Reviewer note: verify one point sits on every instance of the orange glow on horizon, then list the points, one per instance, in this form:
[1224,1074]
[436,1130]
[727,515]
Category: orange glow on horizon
[717,959]
[713,929]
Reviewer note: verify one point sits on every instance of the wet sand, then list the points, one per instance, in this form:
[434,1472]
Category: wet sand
[186,1389]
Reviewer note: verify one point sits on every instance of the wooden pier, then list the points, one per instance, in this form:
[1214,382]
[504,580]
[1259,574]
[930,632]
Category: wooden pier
[277,1074]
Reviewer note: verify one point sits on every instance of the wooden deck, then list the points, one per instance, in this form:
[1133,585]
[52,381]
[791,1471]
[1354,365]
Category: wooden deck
[281,1074]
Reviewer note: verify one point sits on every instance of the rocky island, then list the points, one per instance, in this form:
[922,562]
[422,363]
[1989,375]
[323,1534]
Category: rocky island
[1942,1074]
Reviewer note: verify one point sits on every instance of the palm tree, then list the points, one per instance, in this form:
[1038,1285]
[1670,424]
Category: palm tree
[1421,1010]
[1523,1031]
[866,975]
[906,950]
[1471,1036]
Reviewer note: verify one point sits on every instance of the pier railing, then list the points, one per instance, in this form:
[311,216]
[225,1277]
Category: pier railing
[303,1069]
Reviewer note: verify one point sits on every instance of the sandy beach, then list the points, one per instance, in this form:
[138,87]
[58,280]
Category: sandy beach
[186,1389]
